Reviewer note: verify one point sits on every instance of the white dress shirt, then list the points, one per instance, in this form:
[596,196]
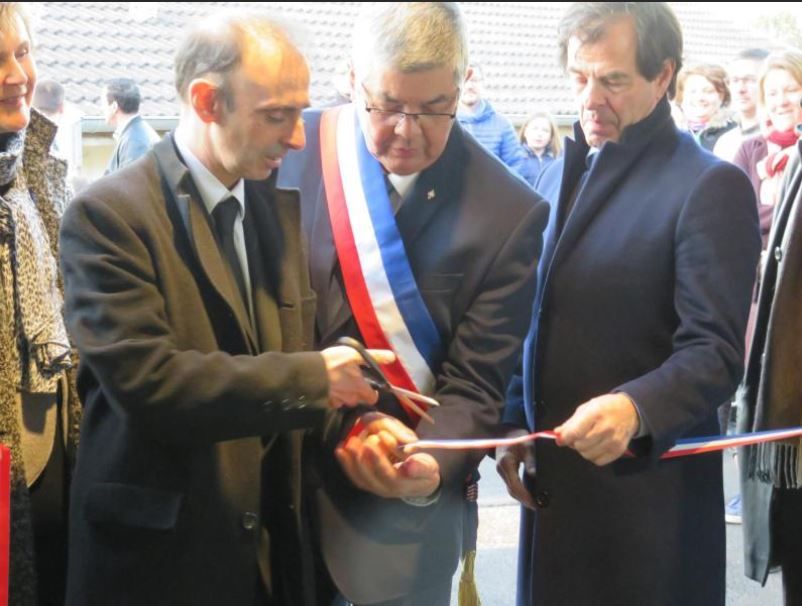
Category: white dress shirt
[212,192]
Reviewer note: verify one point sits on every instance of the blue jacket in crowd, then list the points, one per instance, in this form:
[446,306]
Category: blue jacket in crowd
[533,166]
[496,134]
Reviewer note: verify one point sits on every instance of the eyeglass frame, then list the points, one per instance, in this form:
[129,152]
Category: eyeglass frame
[378,111]
[736,80]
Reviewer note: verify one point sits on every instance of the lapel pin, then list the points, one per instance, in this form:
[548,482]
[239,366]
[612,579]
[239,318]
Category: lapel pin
[430,194]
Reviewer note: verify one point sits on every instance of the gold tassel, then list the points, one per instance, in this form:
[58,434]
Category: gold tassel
[468,593]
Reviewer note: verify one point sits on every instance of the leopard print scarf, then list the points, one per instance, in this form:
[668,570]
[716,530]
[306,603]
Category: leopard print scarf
[28,267]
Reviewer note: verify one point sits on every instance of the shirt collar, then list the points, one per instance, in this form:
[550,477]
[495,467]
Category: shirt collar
[403,183]
[122,126]
[211,190]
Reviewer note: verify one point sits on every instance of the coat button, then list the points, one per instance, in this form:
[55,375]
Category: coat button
[778,254]
[249,520]
[542,499]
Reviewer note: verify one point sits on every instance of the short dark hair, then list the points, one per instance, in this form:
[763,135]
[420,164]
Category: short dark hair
[752,54]
[48,96]
[656,26]
[125,92]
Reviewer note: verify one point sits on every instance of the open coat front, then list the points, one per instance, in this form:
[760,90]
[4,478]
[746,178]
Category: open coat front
[646,291]
[183,394]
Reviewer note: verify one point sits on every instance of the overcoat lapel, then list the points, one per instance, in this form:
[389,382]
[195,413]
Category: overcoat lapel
[181,190]
[273,216]
[614,161]
[322,254]
[435,188]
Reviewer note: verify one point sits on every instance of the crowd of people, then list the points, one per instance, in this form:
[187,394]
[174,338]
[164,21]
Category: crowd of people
[190,421]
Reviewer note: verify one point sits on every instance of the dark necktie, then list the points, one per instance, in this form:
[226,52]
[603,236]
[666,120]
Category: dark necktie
[225,214]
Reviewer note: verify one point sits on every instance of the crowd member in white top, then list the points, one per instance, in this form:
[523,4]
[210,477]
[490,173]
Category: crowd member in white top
[742,75]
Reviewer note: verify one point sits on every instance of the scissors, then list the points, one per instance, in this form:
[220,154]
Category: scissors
[378,380]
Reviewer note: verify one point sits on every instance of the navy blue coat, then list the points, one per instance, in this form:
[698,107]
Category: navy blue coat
[135,140]
[472,233]
[645,291]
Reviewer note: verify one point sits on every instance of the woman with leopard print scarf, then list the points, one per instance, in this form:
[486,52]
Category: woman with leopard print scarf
[37,420]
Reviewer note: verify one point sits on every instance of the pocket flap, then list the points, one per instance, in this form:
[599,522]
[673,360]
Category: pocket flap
[439,282]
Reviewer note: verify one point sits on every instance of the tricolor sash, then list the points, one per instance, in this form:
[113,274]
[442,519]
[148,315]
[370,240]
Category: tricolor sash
[381,289]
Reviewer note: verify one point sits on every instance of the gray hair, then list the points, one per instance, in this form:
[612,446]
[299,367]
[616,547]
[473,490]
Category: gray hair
[411,37]
[214,48]
[48,97]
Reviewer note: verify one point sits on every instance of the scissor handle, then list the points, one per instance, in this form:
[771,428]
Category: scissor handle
[375,371]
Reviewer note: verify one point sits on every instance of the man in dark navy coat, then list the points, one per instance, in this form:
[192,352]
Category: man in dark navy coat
[637,333]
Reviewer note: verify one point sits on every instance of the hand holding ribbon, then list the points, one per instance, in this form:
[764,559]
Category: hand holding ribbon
[373,459]
[508,461]
[601,428]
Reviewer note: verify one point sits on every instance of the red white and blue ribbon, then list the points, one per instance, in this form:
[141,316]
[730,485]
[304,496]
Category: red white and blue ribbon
[684,447]
[381,289]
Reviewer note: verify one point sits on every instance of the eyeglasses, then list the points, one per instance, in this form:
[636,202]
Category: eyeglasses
[744,80]
[393,117]
[388,117]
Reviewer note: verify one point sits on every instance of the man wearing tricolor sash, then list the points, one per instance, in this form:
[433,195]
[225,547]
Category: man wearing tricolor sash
[424,243]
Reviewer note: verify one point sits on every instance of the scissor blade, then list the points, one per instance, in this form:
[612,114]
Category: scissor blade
[400,391]
[417,409]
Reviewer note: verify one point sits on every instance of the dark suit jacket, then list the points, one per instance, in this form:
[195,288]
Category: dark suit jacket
[180,391]
[645,291]
[134,142]
[472,233]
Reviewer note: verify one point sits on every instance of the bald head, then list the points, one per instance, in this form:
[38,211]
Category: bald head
[221,43]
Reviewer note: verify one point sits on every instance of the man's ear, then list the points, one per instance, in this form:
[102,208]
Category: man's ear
[468,73]
[204,97]
[665,76]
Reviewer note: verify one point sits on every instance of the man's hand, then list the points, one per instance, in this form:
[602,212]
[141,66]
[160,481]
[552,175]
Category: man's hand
[347,386]
[374,461]
[508,462]
[601,428]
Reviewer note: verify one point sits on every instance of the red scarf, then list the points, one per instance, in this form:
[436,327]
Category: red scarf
[775,163]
